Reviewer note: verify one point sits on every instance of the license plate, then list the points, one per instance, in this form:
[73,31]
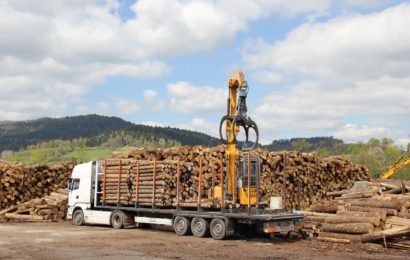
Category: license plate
[276,227]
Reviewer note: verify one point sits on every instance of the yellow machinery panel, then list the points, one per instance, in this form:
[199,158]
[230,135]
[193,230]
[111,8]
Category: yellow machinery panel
[243,196]
[218,192]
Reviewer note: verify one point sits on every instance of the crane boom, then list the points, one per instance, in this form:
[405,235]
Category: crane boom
[398,165]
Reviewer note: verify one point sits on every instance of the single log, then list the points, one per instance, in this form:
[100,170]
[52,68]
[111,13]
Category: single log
[337,219]
[398,245]
[378,204]
[381,215]
[398,221]
[386,234]
[351,228]
[334,240]
[351,238]
[338,193]
[401,214]
[22,217]
[389,212]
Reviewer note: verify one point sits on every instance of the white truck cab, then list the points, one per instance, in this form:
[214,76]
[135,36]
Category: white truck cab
[82,196]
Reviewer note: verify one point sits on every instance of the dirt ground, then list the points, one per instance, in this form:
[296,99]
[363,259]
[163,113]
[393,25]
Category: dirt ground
[64,241]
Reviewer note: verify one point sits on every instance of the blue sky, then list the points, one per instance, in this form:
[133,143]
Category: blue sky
[315,67]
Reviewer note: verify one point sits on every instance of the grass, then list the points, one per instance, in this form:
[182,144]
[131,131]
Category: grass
[87,154]
[51,155]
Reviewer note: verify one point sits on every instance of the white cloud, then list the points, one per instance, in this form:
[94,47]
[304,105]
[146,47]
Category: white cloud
[66,47]
[354,47]
[152,123]
[354,133]
[152,100]
[350,66]
[267,77]
[188,99]
[202,126]
[127,107]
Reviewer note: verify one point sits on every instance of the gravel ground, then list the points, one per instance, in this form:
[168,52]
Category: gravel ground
[64,241]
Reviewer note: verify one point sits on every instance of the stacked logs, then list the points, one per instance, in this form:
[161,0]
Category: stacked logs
[302,179]
[156,179]
[367,215]
[20,183]
[51,208]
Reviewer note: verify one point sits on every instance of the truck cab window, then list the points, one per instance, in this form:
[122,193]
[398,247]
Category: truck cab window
[74,184]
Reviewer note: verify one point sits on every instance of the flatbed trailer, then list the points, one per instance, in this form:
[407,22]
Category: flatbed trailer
[85,207]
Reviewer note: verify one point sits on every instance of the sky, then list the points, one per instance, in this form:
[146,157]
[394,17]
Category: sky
[314,67]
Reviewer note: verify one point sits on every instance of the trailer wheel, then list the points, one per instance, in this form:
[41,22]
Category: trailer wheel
[78,217]
[200,227]
[117,219]
[182,226]
[218,229]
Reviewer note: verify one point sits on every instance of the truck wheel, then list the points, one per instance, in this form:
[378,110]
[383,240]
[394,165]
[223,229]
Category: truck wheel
[78,217]
[117,220]
[182,226]
[218,229]
[200,227]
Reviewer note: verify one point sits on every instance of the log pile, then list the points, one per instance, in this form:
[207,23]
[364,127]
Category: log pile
[302,179]
[20,183]
[366,213]
[122,189]
[52,207]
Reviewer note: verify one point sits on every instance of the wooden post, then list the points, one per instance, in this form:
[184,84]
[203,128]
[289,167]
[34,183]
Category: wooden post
[258,183]
[200,183]
[105,182]
[153,184]
[178,181]
[213,182]
[137,179]
[222,185]
[119,185]
[249,180]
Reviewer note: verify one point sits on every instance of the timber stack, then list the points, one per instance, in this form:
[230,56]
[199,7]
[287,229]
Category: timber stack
[302,179]
[52,207]
[370,212]
[156,180]
[20,183]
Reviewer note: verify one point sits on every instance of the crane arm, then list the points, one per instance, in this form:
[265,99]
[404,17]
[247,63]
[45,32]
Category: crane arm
[392,170]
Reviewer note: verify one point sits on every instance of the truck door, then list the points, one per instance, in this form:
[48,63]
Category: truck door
[74,191]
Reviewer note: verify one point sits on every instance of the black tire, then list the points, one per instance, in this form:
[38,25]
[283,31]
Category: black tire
[200,227]
[182,226]
[78,217]
[117,219]
[218,229]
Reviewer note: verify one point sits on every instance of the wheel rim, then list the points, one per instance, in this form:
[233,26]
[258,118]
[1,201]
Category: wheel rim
[77,217]
[180,225]
[117,220]
[199,226]
[218,229]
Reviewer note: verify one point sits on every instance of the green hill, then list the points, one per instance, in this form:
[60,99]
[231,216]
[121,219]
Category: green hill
[20,134]
[87,137]
[322,145]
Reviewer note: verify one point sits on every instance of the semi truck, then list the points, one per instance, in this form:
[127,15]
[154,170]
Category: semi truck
[85,205]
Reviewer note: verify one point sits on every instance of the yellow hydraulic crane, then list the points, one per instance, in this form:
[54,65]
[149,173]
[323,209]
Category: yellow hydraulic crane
[398,165]
[236,119]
